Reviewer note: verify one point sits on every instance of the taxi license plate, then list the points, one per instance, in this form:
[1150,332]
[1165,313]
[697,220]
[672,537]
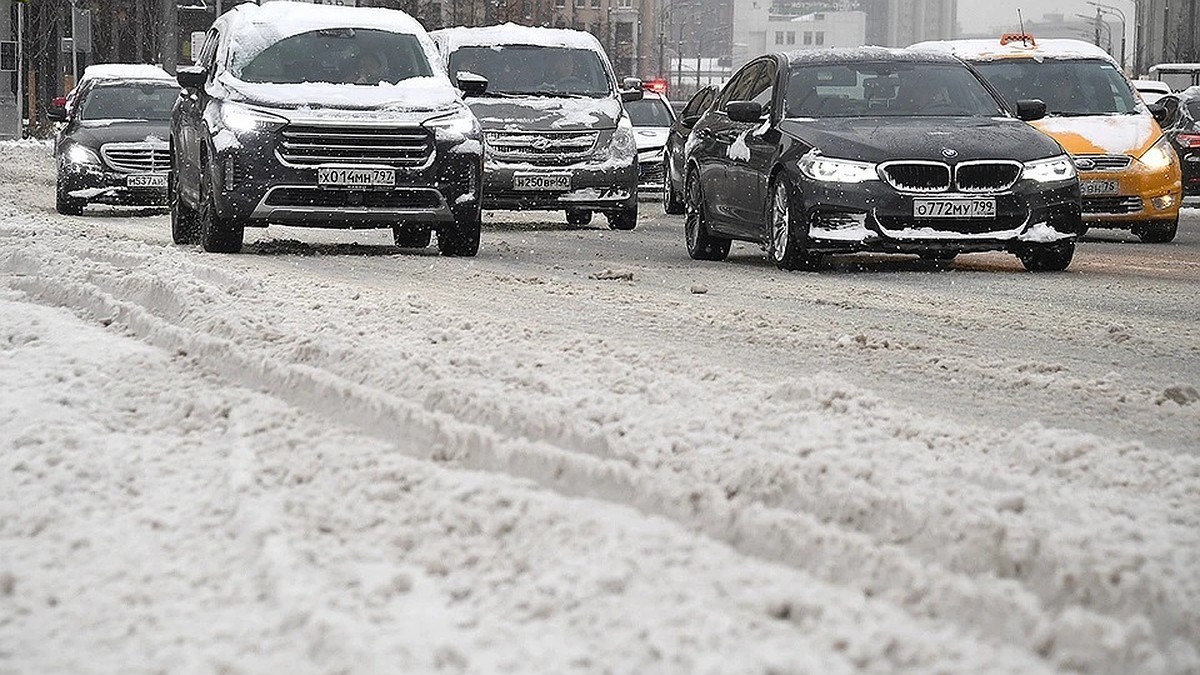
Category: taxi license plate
[147,180]
[1096,188]
[981,207]
[351,177]
[542,181]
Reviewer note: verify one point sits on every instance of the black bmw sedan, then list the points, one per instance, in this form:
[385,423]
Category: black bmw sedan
[872,149]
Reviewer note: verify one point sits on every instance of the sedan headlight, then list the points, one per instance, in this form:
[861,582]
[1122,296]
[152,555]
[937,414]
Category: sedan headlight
[457,124]
[242,119]
[1052,170]
[78,154]
[831,170]
[1160,155]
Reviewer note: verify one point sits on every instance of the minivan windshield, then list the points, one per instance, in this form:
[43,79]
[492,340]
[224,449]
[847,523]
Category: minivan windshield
[338,56]
[129,102]
[1072,87]
[534,71]
[887,89]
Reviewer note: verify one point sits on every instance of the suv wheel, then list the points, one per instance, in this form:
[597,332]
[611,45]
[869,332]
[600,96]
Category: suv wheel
[462,237]
[700,244]
[411,237]
[579,216]
[1157,233]
[217,235]
[68,206]
[625,219]
[1047,257]
[185,222]
[787,233]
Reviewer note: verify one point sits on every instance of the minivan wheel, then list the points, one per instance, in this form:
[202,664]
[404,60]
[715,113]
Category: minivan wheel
[625,219]
[1047,257]
[461,239]
[217,235]
[787,233]
[1157,233]
[579,216]
[411,237]
[185,222]
[68,206]
[701,245]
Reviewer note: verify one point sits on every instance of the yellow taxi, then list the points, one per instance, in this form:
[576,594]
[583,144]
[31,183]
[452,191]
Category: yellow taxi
[1129,173]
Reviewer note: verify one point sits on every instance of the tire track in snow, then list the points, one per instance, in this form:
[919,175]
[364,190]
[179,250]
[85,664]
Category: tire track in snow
[1003,610]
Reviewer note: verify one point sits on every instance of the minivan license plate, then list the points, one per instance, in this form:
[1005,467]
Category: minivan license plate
[350,177]
[1097,188]
[980,207]
[542,181]
[147,180]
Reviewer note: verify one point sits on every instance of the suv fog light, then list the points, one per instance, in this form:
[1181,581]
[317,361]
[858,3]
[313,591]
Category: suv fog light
[1164,202]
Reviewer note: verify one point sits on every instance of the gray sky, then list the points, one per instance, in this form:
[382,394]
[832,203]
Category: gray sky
[979,15]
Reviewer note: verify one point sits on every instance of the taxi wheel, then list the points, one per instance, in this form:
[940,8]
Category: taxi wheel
[1157,233]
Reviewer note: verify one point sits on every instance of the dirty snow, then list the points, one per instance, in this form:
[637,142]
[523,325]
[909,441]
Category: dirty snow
[1114,134]
[301,459]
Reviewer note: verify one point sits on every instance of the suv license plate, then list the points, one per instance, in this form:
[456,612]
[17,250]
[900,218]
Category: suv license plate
[981,207]
[349,177]
[147,180]
[1097,188]
[542,181]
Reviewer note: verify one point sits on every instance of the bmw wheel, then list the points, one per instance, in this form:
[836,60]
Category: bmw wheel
[1047,257]
[701,245]
[786,230]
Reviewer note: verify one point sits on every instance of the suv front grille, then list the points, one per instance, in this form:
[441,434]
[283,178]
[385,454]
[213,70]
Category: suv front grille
[142,157]
[422,198]
[312,144]
[1089,163]
[548,145]
[917,176]
[986,176]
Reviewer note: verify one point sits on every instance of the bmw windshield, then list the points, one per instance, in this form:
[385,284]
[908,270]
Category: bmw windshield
[887,89]
[1069,87]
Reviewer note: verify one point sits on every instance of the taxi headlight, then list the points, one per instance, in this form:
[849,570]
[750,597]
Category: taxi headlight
[1159,156]
[1052,170]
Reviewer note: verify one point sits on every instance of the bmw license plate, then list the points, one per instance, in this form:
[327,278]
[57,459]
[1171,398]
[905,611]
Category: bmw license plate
[547,182]
[147,180]
[976,207]
[1098,188]
[355,177]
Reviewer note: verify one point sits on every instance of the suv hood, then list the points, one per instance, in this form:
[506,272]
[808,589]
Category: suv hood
[95,133]
[879,139]
[545,113]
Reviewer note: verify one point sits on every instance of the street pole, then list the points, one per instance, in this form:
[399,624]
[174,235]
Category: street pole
[74,47]
[218,9]
[20,70]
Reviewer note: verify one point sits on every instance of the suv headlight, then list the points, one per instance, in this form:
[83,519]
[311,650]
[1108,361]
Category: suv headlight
[78,154]
[1159,156]
[831,170]
[242,119]
[1052,170]
[623,145]
[455,125]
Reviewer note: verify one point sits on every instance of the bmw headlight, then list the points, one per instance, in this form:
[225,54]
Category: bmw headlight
[457,124]
[1160,155]
[243,119]
[623,145]
[831,170]
[78,154]
[1051,170]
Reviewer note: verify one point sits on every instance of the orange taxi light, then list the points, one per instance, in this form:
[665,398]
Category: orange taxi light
[1024,38]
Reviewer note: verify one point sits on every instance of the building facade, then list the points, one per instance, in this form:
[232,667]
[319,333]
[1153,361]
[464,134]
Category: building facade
[899,23]
[756,30]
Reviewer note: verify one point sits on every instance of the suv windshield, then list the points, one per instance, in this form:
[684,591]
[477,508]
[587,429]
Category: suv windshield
[530,70]
[651,111]
[338,56]
[1074,87]
[887,89]
[129,102]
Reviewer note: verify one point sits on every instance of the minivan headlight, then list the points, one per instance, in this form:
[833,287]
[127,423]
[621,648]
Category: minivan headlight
[1051,170]
[831,170]
[242,119]
[78,154]
[1159,156]
[623,145]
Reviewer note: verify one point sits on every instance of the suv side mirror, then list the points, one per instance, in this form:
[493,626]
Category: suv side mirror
[471,84]
[192,77]
[1031,109]
[744,111]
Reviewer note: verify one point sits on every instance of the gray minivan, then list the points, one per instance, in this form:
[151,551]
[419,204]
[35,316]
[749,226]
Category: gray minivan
[556,133]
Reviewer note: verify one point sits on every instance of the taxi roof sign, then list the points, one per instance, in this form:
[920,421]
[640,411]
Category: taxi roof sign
[1024,38]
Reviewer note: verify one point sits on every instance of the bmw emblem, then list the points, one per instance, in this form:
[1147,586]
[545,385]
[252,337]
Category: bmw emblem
[949,153]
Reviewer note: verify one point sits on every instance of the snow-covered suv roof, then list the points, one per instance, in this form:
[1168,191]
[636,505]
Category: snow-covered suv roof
[284,19]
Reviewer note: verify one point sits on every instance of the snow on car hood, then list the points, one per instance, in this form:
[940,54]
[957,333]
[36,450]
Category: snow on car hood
[544,113]
[415,93]
[94,133]
[650,138]
[878,139]
[1103,134]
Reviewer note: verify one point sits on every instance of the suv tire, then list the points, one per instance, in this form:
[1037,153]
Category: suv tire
[461,239]
[625,219]
[411,237]
[579,217]
[1157,233]
[216,234]
[1047,257]
[185,222]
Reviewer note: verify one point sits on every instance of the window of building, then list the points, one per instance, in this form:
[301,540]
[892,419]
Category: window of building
[581,3]
[808,37]
[560,3]
[595,3]
[818,17]
[791,37]
[778,37]
[625,3]
[820,37]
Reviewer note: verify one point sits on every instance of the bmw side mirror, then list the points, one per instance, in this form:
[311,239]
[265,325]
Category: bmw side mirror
[471,84]
[631,95]
[192,77]
[744,111]
[1031,109]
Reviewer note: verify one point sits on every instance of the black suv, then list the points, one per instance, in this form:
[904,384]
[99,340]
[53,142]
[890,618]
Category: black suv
[113,147]
[324,117]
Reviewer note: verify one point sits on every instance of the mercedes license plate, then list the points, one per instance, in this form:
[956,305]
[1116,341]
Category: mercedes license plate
[1098,188]
[976,207]
[352,177]
[542,181]
[147,180]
